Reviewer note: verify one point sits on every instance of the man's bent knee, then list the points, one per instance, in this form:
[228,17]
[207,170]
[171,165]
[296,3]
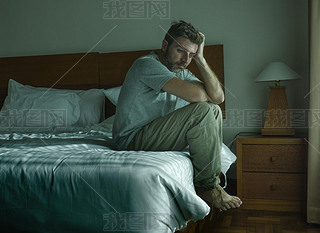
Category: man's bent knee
[207,106]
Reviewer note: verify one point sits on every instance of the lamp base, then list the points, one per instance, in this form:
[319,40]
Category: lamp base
[277,121]
[278,132]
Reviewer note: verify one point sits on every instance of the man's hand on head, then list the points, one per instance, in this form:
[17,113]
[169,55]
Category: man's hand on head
[199,55]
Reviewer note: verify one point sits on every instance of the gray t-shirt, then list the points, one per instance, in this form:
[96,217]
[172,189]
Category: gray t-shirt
[142,99]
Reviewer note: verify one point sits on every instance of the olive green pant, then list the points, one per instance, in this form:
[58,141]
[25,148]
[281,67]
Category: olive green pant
[197,125]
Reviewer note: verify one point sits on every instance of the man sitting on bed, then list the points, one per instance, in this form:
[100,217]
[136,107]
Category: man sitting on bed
[146,118]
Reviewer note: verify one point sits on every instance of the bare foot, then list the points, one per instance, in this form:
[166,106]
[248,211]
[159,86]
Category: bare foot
[223,201]
[219,198]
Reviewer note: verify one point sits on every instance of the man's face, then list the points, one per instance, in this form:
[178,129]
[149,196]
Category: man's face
[179,54]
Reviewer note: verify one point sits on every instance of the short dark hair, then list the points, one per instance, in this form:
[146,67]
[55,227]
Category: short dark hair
[183,29]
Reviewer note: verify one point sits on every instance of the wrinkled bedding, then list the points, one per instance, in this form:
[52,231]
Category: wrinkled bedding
[71,180]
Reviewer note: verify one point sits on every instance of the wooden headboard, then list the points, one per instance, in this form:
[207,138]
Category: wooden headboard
[86,70]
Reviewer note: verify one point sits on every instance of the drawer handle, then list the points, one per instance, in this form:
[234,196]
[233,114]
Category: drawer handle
[273,187]
[274,158]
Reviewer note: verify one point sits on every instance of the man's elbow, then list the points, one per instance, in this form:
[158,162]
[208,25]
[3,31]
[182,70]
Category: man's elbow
[217,99]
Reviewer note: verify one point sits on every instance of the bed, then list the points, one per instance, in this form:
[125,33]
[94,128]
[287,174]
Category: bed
[59,171]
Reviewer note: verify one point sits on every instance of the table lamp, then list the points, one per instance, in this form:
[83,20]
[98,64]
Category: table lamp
[277,121]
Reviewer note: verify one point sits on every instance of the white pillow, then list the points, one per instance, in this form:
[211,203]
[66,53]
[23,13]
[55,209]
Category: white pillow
[113,94]
[26,107]
[92,107]
[83,107]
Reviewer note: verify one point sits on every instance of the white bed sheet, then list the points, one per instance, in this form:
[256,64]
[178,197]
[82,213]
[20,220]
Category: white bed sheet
[70,180]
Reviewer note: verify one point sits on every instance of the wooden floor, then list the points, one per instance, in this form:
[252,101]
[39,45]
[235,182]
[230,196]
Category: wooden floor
[253,221]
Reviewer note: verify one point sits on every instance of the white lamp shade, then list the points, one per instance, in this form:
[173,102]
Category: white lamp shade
[277,71]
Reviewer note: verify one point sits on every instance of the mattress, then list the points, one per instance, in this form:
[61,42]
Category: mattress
[68,180]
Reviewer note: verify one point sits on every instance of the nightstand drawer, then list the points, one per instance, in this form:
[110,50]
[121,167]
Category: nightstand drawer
[274,186]
[275,158]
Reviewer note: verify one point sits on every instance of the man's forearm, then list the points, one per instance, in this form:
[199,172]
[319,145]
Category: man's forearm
[211,82]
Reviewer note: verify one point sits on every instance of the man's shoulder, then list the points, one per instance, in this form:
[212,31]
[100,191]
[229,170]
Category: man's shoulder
[151,55]
[150,58]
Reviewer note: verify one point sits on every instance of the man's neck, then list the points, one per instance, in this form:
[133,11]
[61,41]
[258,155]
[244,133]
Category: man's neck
[160,57]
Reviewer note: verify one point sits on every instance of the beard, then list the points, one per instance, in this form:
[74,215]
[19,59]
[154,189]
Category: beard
[171,65]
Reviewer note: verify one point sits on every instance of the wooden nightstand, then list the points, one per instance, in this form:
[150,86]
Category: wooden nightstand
[272,173]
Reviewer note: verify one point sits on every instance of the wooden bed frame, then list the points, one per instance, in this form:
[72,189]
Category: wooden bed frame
[86,70]
[89,70]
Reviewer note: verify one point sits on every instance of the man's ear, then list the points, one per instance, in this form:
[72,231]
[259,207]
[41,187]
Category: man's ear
[164,46]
